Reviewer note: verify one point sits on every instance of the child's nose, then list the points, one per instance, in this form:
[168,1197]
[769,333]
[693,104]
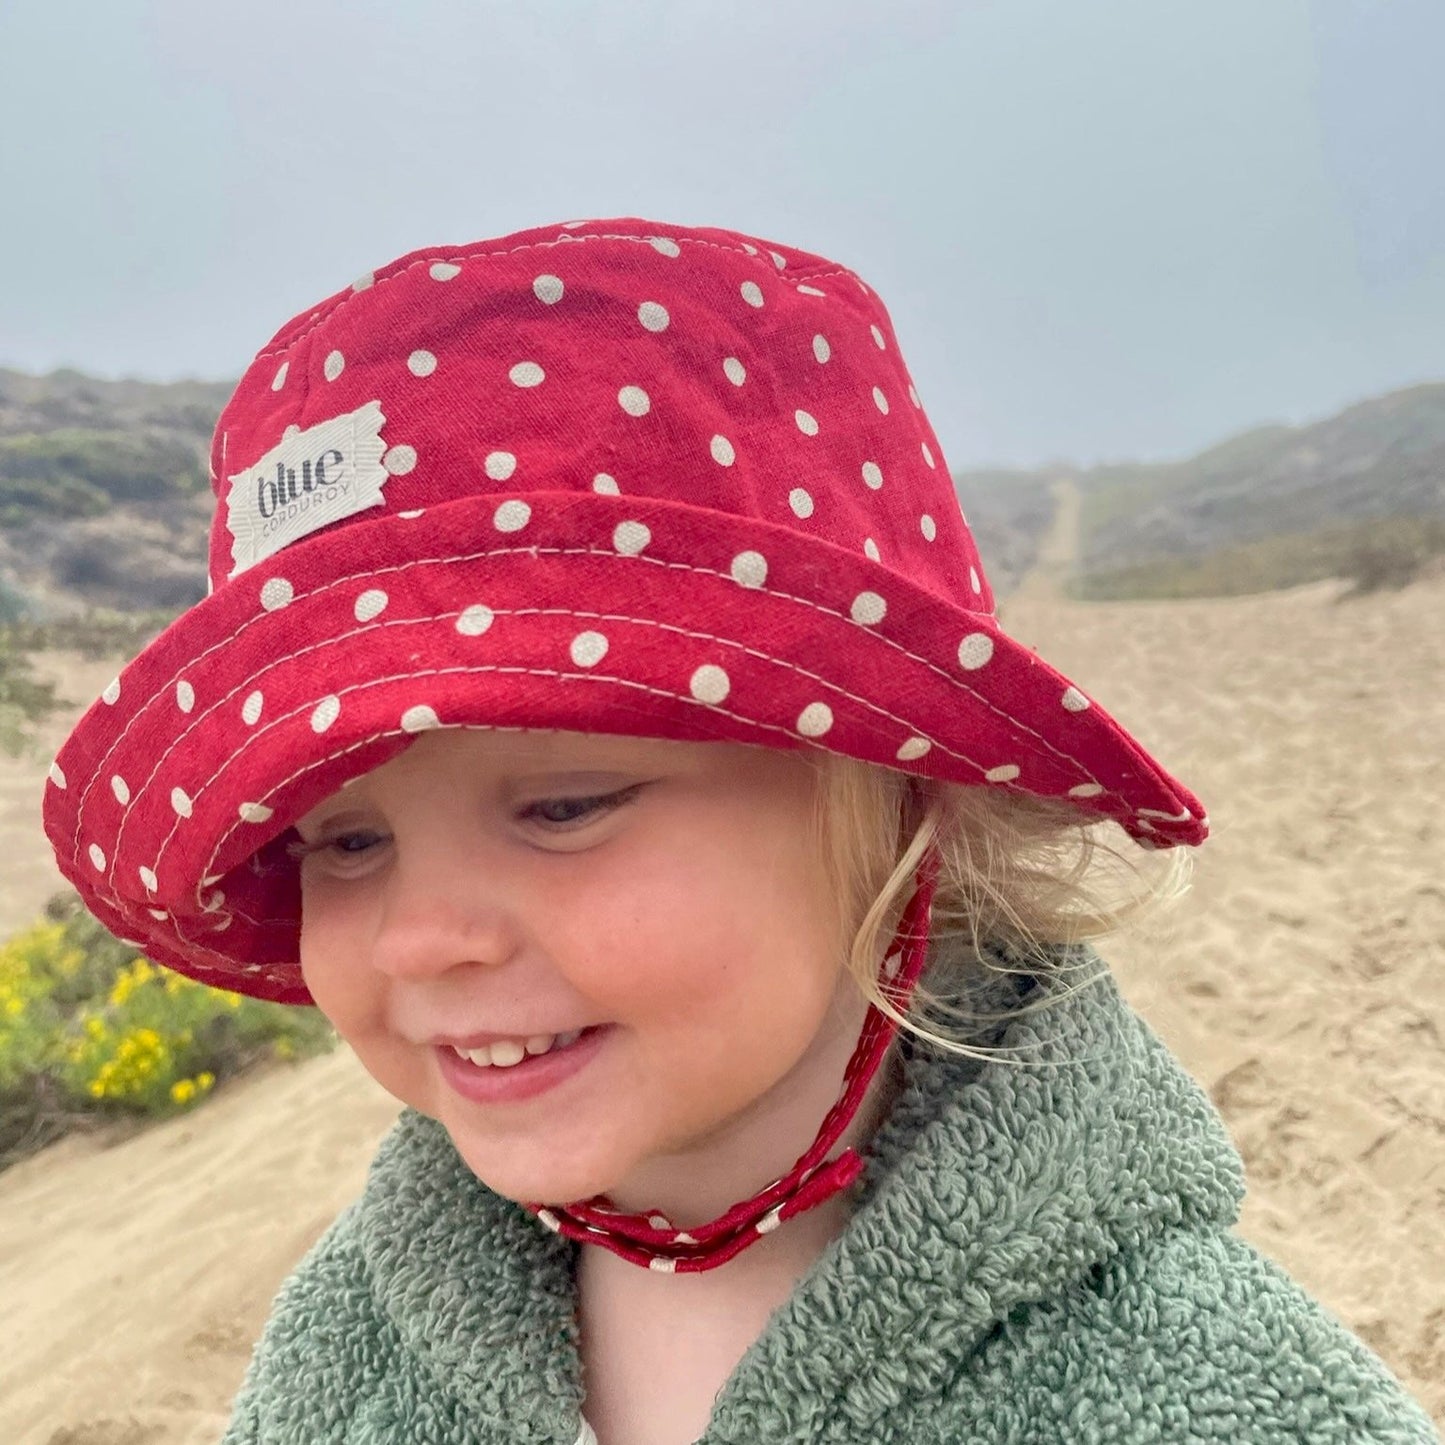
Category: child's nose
[439,914]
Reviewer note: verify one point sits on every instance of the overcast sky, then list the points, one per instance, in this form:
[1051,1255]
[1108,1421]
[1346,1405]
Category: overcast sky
[1104,228]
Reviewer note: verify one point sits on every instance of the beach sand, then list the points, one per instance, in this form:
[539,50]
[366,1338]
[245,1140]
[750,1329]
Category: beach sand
[1301,981]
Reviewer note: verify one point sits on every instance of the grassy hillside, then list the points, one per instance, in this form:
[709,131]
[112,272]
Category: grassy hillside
[103,492]
[1361,493]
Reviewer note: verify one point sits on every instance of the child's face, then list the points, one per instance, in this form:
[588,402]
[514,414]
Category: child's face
[686,922]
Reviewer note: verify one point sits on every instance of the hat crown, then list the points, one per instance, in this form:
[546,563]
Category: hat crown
[692,365]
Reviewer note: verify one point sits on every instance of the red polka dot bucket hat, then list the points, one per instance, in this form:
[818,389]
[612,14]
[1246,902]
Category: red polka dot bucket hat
[610,476]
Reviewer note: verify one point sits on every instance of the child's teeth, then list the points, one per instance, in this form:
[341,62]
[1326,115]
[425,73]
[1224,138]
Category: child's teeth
[506,1052]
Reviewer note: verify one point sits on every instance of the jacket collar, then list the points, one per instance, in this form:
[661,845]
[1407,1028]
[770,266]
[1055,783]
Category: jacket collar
[990,1185]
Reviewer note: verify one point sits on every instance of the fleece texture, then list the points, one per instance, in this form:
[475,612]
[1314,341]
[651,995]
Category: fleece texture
[1041,1252]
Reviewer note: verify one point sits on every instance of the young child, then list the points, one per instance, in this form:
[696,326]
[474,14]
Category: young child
[600,713]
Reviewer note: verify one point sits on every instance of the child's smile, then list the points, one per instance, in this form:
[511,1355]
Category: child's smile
[636,941]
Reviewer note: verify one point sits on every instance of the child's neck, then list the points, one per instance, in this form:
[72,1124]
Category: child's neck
[657,1348]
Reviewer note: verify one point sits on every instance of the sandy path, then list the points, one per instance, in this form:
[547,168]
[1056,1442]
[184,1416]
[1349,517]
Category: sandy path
[1304,985]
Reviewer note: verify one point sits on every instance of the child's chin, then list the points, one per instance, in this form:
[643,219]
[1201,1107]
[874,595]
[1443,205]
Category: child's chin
[535,1181]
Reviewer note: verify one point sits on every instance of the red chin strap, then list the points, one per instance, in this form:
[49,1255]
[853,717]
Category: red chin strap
[650,1239]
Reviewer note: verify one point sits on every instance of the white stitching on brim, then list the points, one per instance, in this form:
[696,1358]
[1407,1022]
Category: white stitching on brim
[462,558]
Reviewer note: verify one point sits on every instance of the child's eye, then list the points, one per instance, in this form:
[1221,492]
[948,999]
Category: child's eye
[561,812]
[344,847]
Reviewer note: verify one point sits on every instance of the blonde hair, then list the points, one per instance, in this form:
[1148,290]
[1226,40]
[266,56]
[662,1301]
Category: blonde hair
[1022,880]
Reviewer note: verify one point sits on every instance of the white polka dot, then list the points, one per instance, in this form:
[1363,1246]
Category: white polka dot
[421,363]
[660,1264]
[548,289]
[914,748]
[527,373]
[148,877]
[975,650]
[1086,790]
[412,515]
[665,246]
[110,695]
[181,802]
[500,465]
[974,580]
[97,857]
[475,620]
[778,261]
[873,475]
[807,423]
[630,538]
[710,684]
[276,593]
[913,395]
[550,1220]
[801,501]
[821,349]
[653,315]
[634,401]
[511,516]
[254,813]
[879,400]
[419,719]
[1006,774]
[815,719]
[364,283]
[251,709]
[334,365]
[751,250]
[120,788]
[159,914]
[588,649]
[279,380]
[1074,700]
[185,696]
[928,527]
[752,293]
[878,338]
[749,569]
[868,608]
[734,370]
[57,775]
[870,549]
[605,485]
[325,713]
[444,271]
[722,451]
[398,461]
[770,1221]
[371,603]
[810,291]
[927,454]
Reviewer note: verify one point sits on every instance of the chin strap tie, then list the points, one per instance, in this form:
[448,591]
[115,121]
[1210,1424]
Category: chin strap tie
[651,1241]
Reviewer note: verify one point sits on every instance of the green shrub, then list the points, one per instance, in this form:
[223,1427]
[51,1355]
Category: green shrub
[90,1031]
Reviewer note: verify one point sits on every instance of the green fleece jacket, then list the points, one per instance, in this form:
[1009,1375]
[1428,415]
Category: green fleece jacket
[1039,1254]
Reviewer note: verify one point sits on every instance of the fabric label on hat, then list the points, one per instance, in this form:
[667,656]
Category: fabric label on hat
[309,480]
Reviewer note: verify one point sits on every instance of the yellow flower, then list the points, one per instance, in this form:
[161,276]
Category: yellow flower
[94,1028]
[205,1081]
[182,1091]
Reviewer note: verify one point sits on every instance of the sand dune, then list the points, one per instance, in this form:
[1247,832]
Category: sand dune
[1302,982]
